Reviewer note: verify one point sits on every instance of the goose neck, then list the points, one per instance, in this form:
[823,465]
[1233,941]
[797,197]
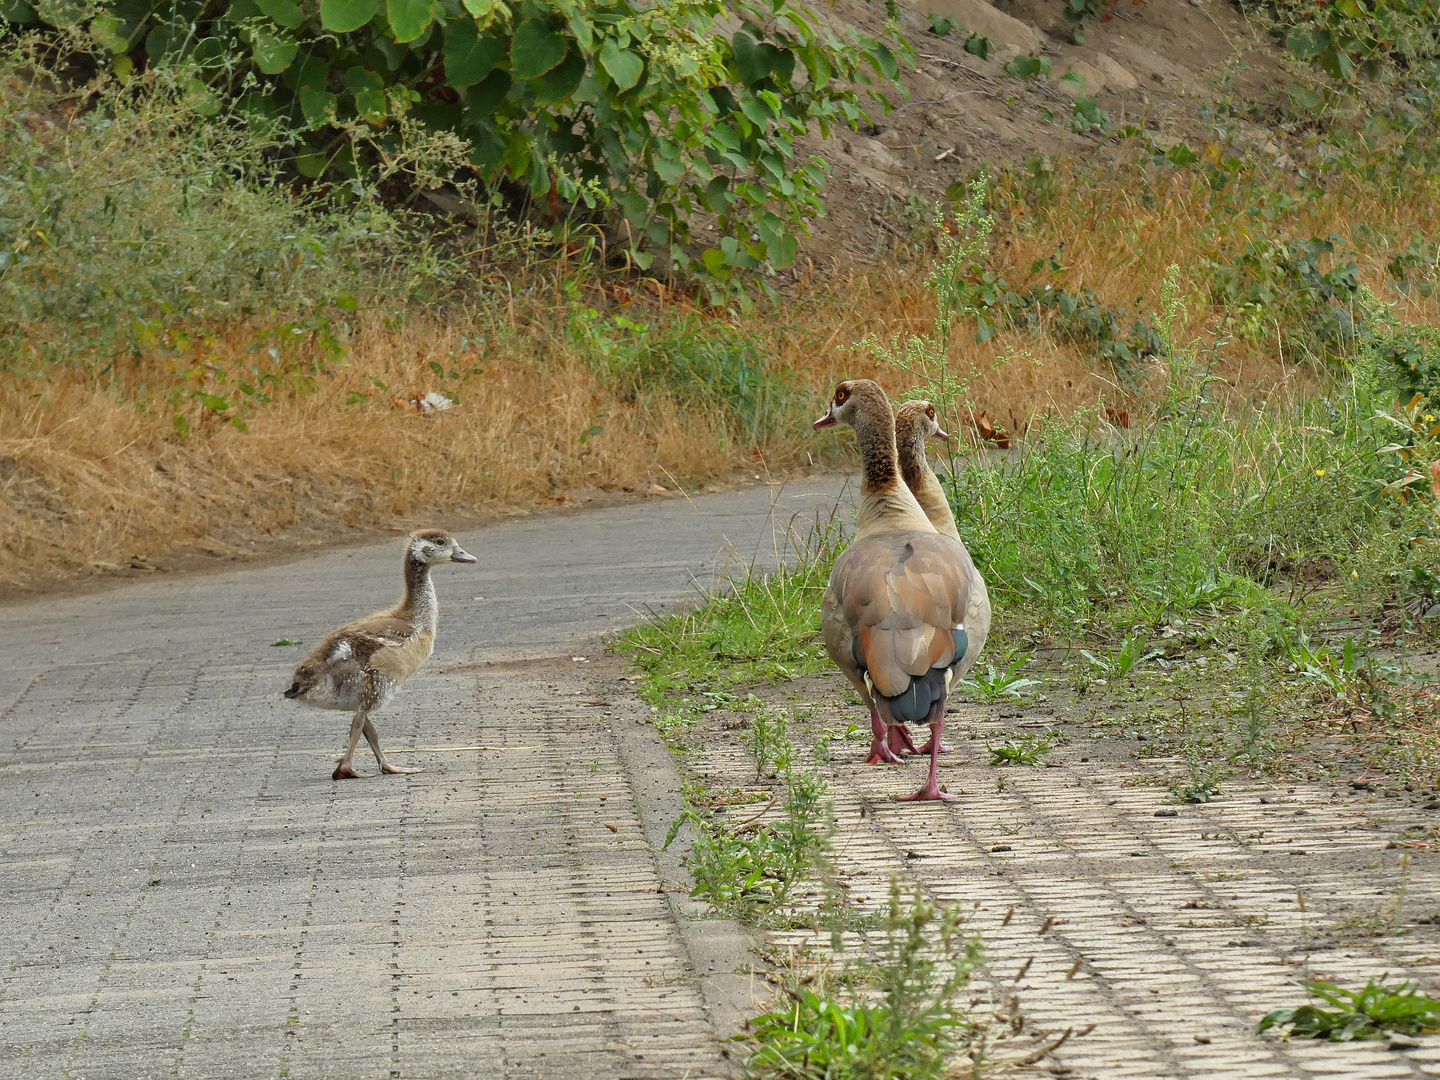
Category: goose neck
[419,605]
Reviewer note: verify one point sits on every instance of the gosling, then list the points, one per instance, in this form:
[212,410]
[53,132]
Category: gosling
[360,666]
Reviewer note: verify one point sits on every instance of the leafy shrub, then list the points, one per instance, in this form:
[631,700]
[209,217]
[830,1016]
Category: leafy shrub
[1410,361]
[128,224]
[1282,280]
[639,107]
[1347,38]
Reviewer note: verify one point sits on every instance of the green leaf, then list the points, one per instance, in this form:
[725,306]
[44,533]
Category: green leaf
[487,149]
[1306,41]
[273,52]
[409,19]
[469,54]
[751,64]
[343,16]
[622,65]
[285,12]
[535,49]
[1304,97]
[18,12]
[979,46]
[782,250]
[560,82]
[484,96]
[317,105]
[214,402]
[482,10]
[311,164]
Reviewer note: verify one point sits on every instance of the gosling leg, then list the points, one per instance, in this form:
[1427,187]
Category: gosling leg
[374,740]
[344,770]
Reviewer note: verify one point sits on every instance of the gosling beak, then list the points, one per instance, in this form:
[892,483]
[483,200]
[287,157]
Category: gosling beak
[941,435]
[294,690]
[461,555]
[828,420]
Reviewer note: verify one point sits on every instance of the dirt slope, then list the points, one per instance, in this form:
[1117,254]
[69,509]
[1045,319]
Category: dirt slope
[1160,66]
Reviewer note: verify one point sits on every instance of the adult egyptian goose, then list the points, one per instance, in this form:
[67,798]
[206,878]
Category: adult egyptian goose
[893,614]
[915,421]
[360,666]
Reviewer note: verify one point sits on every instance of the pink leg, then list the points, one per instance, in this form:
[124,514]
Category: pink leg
[879,748]
[944,749]
[900,740]
[930,790]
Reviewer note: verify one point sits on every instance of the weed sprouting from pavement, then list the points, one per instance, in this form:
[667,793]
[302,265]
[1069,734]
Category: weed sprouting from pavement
[1027,750]
[992,685]
[769,743]
[1201,781]
[1374,1012]
[750,870]
[899,1014]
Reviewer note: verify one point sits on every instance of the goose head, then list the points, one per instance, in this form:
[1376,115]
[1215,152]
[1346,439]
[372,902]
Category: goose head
[857,402]
[430,547]
[304,680]
[915,421]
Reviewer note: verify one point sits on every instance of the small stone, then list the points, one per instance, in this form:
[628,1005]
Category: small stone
[1203,1040]
[1167,813]
[1434,804]
[1001,847]
[1402,1042]
[1361,785]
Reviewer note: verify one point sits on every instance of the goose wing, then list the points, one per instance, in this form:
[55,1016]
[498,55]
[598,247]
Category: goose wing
[900,597]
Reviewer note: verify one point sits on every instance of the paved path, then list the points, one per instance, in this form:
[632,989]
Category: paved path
[1172,930]
[186,892]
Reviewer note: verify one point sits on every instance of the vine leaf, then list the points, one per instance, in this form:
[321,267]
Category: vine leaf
[410,18]
[343,16]
[535,49]
[622,65]
[469,54]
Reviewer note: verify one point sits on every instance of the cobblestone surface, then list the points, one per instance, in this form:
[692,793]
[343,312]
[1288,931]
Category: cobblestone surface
[1171,935]
[186,892]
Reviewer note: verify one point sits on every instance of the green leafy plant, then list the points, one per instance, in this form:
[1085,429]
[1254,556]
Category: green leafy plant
[1373,1012]
[588,104]
[1027,750]
[769,743]
[1202,779]
[1285,280]
[902,1014]
[751,869]
[993,685]
[1127,656]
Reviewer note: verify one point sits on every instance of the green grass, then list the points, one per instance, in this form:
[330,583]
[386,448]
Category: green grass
[765,627]
[900,1013]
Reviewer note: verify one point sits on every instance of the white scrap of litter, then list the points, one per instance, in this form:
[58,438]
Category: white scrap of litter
[579,659]
[426,403]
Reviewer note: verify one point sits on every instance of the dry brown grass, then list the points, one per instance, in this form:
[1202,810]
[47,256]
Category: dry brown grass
[93,472]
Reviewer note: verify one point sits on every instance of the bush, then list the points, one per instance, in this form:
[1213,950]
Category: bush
[128,223]
[639,107]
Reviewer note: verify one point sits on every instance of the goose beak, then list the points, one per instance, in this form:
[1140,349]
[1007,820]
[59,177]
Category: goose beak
[941,435]
[461,555]
[294,691]
[828,420]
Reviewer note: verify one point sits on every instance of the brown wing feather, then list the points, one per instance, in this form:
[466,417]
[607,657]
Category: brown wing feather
[899,595]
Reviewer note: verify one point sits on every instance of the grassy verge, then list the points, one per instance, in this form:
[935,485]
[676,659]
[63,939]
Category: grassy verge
[196,352]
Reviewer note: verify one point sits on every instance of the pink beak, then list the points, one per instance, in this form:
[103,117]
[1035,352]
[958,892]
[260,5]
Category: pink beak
[940,434]
[828,420]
